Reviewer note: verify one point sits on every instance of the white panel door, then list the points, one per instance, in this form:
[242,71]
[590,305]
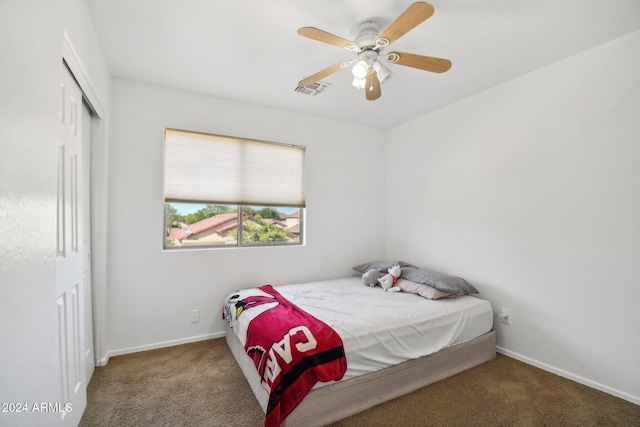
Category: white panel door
[70,286]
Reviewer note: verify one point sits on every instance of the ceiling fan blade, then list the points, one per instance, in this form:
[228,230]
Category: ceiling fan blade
[323,36]
[427,63]
[372,86]
[408,20]
[324,73]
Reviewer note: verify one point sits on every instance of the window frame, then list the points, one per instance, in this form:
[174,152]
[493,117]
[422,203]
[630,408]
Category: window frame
[300,204]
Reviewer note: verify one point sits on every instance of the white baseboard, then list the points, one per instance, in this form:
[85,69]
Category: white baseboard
[103,361]
[622,395]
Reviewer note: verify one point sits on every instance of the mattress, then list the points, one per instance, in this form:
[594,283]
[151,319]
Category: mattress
[381,329]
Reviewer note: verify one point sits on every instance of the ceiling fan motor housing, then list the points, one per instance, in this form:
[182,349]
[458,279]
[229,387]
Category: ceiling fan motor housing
[367,33]
[368,50]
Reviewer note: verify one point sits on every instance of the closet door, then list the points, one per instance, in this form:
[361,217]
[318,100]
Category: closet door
[71,262]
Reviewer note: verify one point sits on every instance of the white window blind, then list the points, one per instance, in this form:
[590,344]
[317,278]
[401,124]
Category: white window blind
[219,169]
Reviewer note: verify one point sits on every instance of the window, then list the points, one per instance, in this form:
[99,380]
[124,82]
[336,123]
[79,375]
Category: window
[227,191]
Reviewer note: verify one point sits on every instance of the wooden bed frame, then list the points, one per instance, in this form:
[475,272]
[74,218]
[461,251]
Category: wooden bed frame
[336,401]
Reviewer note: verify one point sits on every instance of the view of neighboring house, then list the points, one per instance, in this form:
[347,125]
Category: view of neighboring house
[222,229]
[214,229]
[292,222]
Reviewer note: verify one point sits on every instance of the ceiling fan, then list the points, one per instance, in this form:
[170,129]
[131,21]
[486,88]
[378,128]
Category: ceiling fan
[368,72]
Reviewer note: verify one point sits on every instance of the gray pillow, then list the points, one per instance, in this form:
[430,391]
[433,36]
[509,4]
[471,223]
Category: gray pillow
[440,281]
[381,266]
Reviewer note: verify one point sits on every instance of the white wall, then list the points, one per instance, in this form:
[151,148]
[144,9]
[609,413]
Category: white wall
[151,291]
[28,131]
[531,192]
[31,48]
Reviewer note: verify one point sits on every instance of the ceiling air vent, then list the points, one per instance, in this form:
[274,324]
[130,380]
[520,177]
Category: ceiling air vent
[313,88]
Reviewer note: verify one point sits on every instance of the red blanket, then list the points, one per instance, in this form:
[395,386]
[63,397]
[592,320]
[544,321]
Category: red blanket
[291,349]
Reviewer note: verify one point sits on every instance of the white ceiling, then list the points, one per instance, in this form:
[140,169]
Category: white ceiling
[249,51]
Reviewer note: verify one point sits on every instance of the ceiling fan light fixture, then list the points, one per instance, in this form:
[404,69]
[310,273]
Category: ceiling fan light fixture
[360,69]
[383,72]
[358,83]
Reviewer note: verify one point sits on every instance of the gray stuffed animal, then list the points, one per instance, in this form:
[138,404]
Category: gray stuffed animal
[370,277]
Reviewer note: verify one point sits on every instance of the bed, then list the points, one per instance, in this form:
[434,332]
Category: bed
[394,343]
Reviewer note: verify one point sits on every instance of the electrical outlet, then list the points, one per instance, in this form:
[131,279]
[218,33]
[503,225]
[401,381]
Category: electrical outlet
[195,316]
[505,316]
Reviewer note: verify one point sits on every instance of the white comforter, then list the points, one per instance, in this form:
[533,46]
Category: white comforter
[381,329]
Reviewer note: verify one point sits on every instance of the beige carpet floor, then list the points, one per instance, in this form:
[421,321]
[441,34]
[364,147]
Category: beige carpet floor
[200,384]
